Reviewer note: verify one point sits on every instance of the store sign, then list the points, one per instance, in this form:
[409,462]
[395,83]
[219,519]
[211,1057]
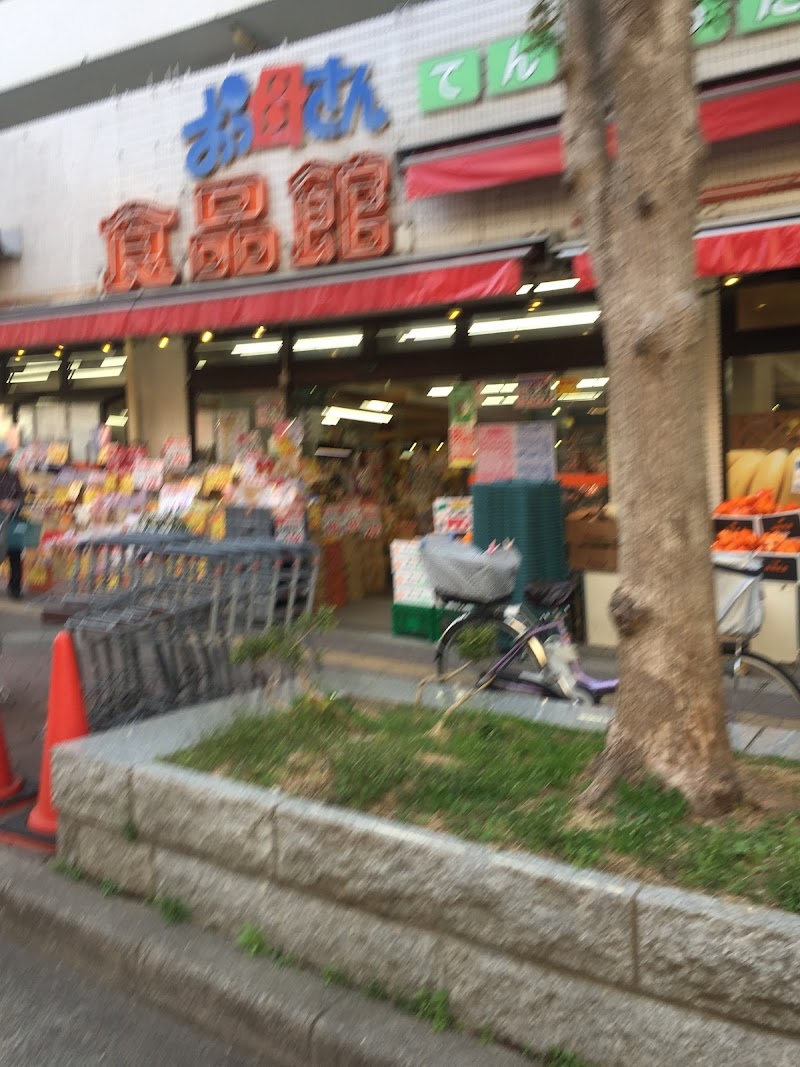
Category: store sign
[714,20]
[341,215]
[516,63]
[511,64]
[287,104]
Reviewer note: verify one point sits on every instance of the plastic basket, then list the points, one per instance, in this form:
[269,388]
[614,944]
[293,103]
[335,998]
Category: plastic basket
[739,595]
[24,534]
[408,620]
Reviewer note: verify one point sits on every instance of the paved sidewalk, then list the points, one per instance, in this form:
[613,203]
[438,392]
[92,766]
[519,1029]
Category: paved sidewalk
[52,1016]
[25,675]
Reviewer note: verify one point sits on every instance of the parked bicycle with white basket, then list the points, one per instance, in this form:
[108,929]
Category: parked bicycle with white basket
[528,648]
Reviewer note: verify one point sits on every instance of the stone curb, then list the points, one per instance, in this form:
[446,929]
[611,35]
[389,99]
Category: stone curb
[277,1016]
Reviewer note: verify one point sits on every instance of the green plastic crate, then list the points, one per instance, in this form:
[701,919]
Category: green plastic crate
[408,620]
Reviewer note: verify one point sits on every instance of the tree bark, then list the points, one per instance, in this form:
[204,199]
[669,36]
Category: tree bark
[629,62]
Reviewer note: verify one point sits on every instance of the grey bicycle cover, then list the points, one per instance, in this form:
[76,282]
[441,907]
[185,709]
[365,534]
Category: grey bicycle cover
[461,572]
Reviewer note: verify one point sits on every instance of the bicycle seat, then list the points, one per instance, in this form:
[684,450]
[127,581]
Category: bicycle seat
[549,595]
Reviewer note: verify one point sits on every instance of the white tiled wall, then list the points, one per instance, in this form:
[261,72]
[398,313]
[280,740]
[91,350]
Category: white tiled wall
[61,175]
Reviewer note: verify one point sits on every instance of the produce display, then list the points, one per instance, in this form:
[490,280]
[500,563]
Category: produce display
[735,539]
[753,469]
[761,503]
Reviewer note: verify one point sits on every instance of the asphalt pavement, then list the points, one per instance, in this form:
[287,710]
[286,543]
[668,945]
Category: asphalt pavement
[51,1016]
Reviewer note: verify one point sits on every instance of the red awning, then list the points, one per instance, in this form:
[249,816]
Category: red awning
[753,249]
[724,115]
[278,301]
[486,167]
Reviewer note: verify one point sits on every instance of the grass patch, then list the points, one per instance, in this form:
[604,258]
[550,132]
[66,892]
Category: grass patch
[502,781]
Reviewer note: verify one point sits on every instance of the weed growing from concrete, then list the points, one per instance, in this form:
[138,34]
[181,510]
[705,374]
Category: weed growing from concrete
[173,910]
[69,870]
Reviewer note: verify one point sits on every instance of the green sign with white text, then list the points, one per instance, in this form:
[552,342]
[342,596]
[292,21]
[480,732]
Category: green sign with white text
[450,81]
[513,64]
[755,15]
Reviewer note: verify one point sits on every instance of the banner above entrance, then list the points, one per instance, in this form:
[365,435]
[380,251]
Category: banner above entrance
[317,295]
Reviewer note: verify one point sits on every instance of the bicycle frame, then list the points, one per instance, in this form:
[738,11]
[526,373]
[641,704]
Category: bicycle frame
[559,687]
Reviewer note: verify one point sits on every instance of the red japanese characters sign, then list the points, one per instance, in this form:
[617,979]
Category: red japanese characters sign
[137,244]
[233,237]
[341,214]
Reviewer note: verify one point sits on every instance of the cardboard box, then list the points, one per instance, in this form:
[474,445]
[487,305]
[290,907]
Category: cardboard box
[593,558]
[581,531]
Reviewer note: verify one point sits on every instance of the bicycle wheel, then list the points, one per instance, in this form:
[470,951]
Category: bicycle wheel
[755,685]
[472,645]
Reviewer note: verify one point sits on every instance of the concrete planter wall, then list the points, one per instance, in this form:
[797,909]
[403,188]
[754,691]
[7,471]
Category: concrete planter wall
[619,972]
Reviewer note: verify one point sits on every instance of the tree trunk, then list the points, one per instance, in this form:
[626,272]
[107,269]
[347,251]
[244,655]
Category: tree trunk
[629,62]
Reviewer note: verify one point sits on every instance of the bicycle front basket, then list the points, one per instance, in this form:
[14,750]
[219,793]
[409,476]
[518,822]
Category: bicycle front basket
[461,572]
[739,595]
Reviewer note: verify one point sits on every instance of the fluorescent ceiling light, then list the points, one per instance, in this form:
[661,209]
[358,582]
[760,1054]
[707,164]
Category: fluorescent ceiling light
[535,322]
[510,400]
[492,401]
[440,390]
[96,372]
[322,344]
[525,289]
[427,333]
[556,286]
[356,414]
[377,405]
[113,361]
[323,452]
[258,348]
[574,397]
[500,387]
[41,365]
[200,364]
[593,383]
[598,411]
[22,377]
[555,411]
[117,420]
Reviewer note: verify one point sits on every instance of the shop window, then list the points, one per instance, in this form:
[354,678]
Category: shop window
[768,307]
[31,373]
[249,350]
[97,369]
[763,407]
[227,423]
[538,321]
[339,343]
[428,333]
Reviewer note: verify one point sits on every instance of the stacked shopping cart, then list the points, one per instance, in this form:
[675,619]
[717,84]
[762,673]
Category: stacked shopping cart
[154,616]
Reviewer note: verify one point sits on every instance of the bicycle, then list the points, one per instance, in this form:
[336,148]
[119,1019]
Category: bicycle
[531,650]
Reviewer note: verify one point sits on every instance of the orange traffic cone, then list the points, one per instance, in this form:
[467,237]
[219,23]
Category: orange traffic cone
[66,721]
[10,784]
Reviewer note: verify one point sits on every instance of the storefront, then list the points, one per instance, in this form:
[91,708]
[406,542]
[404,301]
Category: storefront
[342,263]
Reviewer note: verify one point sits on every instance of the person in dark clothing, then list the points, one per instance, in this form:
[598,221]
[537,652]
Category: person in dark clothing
[12,497]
